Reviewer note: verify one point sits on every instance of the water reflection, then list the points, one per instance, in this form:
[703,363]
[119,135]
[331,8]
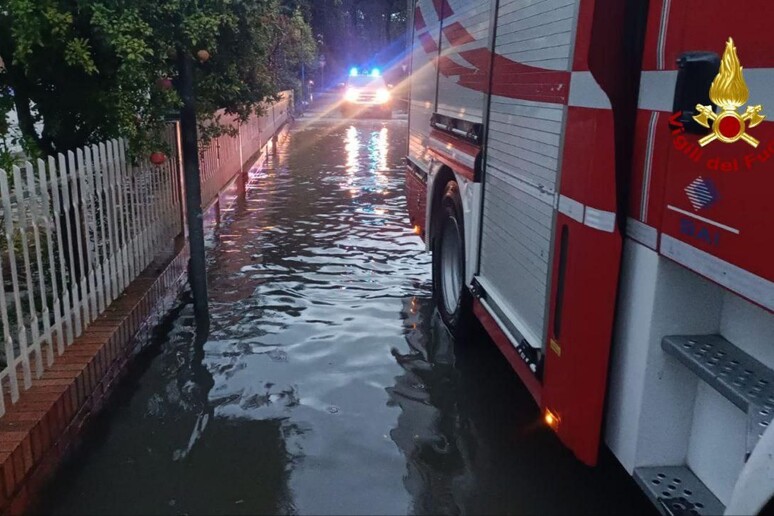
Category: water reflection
[352,146]
[429,431]
[304,317]
[157,449]
[327,385]
[378,147]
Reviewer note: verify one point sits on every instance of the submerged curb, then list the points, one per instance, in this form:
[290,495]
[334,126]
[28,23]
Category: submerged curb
[38,432]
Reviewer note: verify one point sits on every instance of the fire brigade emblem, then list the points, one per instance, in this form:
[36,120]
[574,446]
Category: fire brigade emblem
[729,91]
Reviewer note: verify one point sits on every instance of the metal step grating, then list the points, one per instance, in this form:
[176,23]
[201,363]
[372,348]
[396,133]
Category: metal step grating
[745,381]
[675,490]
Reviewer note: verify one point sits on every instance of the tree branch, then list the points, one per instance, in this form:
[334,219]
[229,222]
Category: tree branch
[27,122]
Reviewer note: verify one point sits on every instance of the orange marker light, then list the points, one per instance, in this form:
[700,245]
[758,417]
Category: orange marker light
[417,230]
[551,419]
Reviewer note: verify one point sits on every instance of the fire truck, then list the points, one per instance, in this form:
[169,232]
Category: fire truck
[594,179]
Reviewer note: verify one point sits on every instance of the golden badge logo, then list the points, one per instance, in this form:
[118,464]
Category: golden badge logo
[729,92]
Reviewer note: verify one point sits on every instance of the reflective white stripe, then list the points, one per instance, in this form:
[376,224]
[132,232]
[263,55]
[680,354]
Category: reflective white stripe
[591,217]
[759,81]
[600,219]
[571,208]
[736,279]
[657,89]
[662,34]
[585,91]
[642,233]
[703,219]
[453,153]
[648,168]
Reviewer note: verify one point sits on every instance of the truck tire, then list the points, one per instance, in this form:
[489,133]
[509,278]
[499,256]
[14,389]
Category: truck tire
[451,295]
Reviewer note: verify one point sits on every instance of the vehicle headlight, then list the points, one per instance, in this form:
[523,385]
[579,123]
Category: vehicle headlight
[351,95]
[382,96]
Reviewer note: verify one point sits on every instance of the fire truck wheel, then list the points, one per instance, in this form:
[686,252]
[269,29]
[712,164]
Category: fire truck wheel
[451,296]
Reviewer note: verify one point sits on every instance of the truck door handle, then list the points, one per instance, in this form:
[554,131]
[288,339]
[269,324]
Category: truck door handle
[696,72]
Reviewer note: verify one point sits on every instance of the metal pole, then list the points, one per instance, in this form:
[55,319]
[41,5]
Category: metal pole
[197,267]
[303,84]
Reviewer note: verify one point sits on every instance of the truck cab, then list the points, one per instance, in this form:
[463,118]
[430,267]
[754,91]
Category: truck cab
[366,94]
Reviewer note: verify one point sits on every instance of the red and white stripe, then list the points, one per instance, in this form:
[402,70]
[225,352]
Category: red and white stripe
[457,154]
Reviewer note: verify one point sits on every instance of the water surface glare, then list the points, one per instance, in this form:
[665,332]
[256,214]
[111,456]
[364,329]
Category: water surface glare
[327,384]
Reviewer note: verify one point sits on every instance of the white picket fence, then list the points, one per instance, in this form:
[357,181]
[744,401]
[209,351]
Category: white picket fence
[76,229]
[226,154]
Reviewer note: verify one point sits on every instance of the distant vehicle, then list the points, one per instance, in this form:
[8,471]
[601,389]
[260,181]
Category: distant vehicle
[366,94]
[563,171]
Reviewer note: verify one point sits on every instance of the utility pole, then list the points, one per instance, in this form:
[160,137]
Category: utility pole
[303,84]
[197,267]
[322,71]
[321,49]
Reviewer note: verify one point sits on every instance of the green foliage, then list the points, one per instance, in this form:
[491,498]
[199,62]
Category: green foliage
[81,71]
[78,53]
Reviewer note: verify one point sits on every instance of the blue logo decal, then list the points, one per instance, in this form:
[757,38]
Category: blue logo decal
[702,193]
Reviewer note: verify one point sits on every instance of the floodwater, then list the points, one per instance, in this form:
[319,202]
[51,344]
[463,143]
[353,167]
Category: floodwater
[327,385]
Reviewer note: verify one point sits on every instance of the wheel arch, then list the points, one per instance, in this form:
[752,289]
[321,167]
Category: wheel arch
[471,196]
[440,179]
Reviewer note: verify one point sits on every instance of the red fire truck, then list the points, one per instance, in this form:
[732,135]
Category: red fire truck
[595,180]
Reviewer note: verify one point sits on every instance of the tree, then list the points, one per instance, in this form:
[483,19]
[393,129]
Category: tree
[359,32]
[292,44]
[81,71]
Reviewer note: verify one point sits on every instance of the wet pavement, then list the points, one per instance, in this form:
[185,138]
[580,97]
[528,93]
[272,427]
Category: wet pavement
[327,385]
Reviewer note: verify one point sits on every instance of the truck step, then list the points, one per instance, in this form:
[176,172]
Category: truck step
[675,490]
[743,380]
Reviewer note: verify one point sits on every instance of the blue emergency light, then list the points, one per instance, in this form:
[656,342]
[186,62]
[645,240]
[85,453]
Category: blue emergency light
[376,72]
[353,72]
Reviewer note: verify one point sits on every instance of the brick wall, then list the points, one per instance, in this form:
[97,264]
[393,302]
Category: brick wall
[37,432]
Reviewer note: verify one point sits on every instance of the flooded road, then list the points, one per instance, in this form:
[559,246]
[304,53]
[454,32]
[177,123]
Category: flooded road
[327,385]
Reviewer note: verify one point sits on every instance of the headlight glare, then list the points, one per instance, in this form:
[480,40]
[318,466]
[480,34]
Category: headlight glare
[351,95]
[382,96]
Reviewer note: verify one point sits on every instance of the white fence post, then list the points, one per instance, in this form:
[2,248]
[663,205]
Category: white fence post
[110,187]
[90,231]
[50,229]
[80,227]
[67,306]
[10,357]
[100,255]
[76,204]
[36,219]
[21,203]
[126,253]
[75,299]
[23,357]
